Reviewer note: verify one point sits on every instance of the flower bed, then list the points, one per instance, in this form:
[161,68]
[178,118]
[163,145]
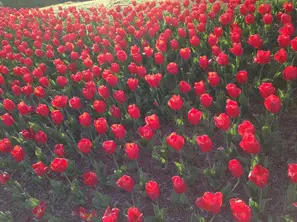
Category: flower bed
[152,111]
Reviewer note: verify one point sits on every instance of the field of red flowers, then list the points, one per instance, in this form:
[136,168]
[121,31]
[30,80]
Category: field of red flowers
[155,111]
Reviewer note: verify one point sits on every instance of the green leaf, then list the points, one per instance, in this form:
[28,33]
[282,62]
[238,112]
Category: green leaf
[38,153]
[180,168]
[291,193]
[100,200]
[100,171]
[243,100]
[143,177]
[30,203]
[226,189]
[58,187]
[6,216]
[76,195]
[175,198]
[254,161]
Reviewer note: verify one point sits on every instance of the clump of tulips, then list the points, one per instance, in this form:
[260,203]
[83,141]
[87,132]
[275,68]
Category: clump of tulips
[96,104]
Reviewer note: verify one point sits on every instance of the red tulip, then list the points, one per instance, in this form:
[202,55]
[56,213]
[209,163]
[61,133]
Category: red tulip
[259,176]
[131,150]
[85,119]
[152,121]
[85,145]
[146,132]
[8,105]
[132,84]
[103,91]
[255,41]
[237,49]
[233,90]
[40,168]
[5,145]
[75,103]
[111,215]
[42,110]
[184,87]
[223,59]
[18,153]
[175,103]
[59,101]
[159,58]
[246,127]
[204,142]
[109,146]
[232,108]
[57,117]
[235,168]
[203,62]
[85,215]
[206,100]
[4,178]
[134,215]
[240,210]
[118,131]
[172,68]
[272,104]
[153,79]
[250,144]
[242,76]
[59,165]
[126,183]
[176,141]
[211,202]
[7,119]
[40,137]
[185,53]
[194,116]
[178,184]
[222,121]
[115,111]
[262,57]
[213,79]
[99,106]
[267,19]
[90,178]
[101,125]
[59,150]
[39,210]
[134,111]
[119,96]
[152,190]
[290,73]
[266,89]
[292,172]
[199,88]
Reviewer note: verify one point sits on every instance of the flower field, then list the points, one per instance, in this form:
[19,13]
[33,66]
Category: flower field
[153,111]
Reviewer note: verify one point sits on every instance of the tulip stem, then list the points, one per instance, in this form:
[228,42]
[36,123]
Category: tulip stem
[214,216]
[115,161]
[294,193]
[260,200]
[67,179]
[261,73]
[132,199]
[226,140]
[49,149]
[233,188]
[137,165]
